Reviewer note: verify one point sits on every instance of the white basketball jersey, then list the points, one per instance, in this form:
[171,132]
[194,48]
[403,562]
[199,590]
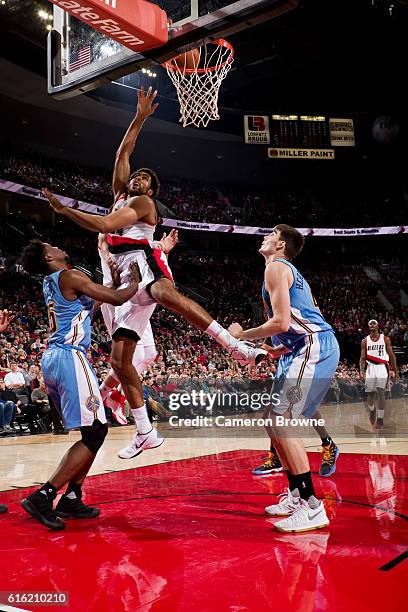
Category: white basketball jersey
[136,231]
[377,351]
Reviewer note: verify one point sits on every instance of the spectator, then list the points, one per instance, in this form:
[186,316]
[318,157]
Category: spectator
[39,399]
[14,380]
[7,409]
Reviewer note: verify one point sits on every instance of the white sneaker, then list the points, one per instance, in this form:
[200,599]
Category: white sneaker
[115,401]
[288,503]
[140,443]
[304,518]
[247,353]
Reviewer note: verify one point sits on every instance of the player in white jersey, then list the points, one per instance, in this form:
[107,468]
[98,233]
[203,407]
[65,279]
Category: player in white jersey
[145,352]
[376,356]
[130,231]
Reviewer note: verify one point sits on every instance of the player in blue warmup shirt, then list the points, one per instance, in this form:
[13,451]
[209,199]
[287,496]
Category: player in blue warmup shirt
[308,357]
[71,298]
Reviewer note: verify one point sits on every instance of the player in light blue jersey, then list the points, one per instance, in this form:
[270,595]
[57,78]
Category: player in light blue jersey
[308,357]
[70,299]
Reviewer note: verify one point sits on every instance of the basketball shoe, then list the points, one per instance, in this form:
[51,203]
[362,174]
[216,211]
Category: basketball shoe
[41,508]
[288,503]
[271,464]
[247,353]
[116,401]
[329,459]
[68,507]
[140,443]
[305,518]
[3,508]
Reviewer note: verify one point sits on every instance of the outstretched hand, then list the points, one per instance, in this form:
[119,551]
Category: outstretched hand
[5,319]
[169,242]
[145,102]
[54,201]
[235,330]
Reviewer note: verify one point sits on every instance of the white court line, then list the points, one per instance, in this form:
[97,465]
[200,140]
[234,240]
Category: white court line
[4,608]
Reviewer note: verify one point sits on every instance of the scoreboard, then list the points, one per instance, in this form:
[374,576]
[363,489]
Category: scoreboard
[299,131]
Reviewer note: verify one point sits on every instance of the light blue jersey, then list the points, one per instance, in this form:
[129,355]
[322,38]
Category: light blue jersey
[69,320]
[306,317]
[69,377]
[304,374]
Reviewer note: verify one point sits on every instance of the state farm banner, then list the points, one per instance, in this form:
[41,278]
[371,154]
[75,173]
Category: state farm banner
[36,193]
[211,227]
[257,129]
[306,231]
[342,133]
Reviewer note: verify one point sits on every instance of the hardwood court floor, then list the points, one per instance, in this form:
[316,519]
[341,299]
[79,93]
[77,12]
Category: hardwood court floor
[29,460]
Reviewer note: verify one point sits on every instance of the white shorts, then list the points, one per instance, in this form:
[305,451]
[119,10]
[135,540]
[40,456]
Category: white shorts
[376,377]
[135,314]
[108,312]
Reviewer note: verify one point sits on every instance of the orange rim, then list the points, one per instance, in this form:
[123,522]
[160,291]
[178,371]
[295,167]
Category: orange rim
[170,65]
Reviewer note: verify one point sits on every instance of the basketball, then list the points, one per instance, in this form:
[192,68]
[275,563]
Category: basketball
[188,60]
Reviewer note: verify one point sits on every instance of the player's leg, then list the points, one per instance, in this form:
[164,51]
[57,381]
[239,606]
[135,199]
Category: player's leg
[370,389]
[379,423]
[93,435]
[330,451]
[371,400]
[312,369]
[146,437]
[73,386]
[164,293]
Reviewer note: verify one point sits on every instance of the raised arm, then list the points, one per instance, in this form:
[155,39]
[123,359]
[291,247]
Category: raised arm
[138,207]
[74,283]
[121,171]
[278,280]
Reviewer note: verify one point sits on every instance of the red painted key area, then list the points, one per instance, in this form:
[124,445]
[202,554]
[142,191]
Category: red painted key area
[192,535]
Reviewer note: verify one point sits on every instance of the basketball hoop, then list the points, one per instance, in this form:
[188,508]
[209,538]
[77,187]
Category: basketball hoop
[197,77]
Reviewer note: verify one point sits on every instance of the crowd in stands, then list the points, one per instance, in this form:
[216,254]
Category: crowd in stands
[195,201]
[187,359]
[228,285]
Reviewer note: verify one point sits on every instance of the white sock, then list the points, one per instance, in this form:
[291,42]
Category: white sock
[380,414]
[371,407]
[143,424]
[221,335]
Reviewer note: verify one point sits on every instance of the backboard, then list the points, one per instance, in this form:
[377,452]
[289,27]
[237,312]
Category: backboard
[81,59]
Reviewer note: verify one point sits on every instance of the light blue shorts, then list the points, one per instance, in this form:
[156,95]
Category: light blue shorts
[304,376]
[73,386]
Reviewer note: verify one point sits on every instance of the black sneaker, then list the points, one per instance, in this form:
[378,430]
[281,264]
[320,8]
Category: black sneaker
[3,508]
[40,507]
[329,459]
[373,415]
[272,464]
[75,508]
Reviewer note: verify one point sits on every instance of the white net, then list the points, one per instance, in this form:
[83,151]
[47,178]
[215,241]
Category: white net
[197,77]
